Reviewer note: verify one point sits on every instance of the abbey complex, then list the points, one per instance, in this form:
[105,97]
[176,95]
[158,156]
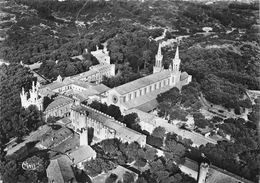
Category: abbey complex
[138,96]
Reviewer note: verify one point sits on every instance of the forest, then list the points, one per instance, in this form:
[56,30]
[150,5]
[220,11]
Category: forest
[112,152]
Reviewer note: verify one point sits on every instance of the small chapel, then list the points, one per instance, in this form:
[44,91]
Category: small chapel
[141,93]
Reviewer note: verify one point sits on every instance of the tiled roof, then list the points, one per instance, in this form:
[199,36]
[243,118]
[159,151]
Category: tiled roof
[193,165]
[59,101]
[146,102]
[81,154]
[91,91]
[101,88]
[142,82]
[184,75]
[55,137]
[60,170]
[54,85]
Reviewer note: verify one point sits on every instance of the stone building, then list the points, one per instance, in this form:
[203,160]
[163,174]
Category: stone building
[105,127]
[143,92]
[60,107]
[97,72]
[74,88]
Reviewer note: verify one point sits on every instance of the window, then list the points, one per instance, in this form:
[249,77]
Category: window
[151,88]
[140,92]
[135,94]
[124,99]
[130,96]
[145,90]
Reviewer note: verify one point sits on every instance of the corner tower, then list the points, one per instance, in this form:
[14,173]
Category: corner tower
[158,60]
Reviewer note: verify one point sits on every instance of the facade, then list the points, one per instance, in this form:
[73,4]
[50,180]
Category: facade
[105,127]
[34,97]
[144,90]
[96,73]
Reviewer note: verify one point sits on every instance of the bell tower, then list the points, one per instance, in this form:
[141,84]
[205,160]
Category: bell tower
[176,61]
[158,60]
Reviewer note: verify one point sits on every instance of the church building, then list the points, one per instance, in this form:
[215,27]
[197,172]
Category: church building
[142,93]
[34,97]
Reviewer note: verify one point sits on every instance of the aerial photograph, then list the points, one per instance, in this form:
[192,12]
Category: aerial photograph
[129,91]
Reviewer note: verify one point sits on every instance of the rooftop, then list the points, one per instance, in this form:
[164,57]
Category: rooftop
[184,75]
[193,165]
[54,85]
[59,101]
[60,170]
[142,82]
[55,137]
[146,102]
[81,154]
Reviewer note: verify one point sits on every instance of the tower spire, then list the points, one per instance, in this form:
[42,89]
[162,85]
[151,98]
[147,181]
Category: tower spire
[176,61]
[158,60]
[177,53]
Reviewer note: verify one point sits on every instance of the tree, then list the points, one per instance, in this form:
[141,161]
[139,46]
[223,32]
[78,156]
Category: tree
[174,149]
[128,177]
[200,120]
[99,106]
[51,120]
[10,172]
[111,178]
[130,119]
[93,167]
[178,114]
[159,132]
[114,111]
[141,180]
[140,162]
[150,154]
[172,97]
[154,141]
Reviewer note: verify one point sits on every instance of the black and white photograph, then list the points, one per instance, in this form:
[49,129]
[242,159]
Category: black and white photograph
[129,91]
